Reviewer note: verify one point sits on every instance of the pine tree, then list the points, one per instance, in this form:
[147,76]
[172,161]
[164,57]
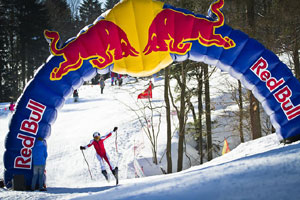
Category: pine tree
[32,49]
[10,27]
[109,4]
[3,52]
[60,19]
[89,10]
[22,44]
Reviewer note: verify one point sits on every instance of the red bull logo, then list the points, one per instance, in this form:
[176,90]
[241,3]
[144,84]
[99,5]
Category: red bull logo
[156,32]
[283,95]
[101,44]
[173,31]
[29,126]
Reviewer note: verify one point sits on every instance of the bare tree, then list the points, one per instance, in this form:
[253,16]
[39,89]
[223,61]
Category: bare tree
[208,114]
[196,73]
[241,112]
[180,76]
[200,112]
[149,117]
[168,118]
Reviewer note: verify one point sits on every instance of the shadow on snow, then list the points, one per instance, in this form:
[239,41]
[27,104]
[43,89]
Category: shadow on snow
[62,190]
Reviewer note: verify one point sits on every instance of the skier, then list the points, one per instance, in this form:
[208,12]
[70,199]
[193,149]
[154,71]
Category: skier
[98,143]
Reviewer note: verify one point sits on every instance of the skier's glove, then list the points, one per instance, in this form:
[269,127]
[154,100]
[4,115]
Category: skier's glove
[115,129]
[82,148]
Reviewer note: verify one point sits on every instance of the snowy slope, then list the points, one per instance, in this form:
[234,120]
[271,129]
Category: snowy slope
[259,169]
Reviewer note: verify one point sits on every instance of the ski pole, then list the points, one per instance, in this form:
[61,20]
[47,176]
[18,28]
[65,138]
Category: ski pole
[116,141]
[87,164]
[116,144]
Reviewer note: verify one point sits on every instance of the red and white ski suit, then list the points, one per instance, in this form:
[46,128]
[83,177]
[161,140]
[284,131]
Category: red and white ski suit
[100,149]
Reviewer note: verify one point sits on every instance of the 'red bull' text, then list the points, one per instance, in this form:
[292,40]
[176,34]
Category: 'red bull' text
[283,95]
[30,126]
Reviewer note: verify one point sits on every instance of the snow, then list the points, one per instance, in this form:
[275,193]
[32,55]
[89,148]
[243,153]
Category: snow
[258,169]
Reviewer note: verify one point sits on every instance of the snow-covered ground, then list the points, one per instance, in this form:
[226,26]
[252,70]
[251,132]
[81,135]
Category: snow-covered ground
[259,169]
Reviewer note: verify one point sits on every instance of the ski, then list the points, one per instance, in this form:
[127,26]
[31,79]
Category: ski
[105,175]
[116,175]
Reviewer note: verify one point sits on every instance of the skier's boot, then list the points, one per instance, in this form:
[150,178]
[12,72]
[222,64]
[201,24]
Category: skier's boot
[104,172]
[115,173]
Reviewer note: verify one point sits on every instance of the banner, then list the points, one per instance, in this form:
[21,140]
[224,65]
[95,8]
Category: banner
[225,147]
[146,94]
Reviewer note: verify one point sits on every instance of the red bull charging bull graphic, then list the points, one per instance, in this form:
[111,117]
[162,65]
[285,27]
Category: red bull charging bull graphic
[166,32]
[109,43]
[139,38]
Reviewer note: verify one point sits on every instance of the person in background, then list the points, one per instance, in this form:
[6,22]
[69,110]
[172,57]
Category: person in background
[39,157]
[112,76]
[75,95]
[12,107]
[102,84]
[120,80]
[2,183]
[98,143]
[150,83]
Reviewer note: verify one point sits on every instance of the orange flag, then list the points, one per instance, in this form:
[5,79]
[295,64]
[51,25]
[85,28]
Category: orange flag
[225,147]
[146,94]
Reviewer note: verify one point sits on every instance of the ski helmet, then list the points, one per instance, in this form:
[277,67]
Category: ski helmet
[96,134]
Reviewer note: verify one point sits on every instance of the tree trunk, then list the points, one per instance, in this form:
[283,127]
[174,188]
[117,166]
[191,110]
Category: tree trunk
[241,116]
[250,13]
[254,117]
[200,112]
[208,114]
[182,116]
[23,64]
[168,116]
[254,104]
[296,60]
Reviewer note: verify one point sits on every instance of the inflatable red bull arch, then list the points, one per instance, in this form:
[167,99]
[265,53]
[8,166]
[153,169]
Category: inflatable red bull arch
[139,38]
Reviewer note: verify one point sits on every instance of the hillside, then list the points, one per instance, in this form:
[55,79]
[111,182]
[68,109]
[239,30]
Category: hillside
[259,169]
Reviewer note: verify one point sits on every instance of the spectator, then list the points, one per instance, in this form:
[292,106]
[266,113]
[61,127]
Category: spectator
[12,107]
[102,84]
[75,95]
[39,157]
